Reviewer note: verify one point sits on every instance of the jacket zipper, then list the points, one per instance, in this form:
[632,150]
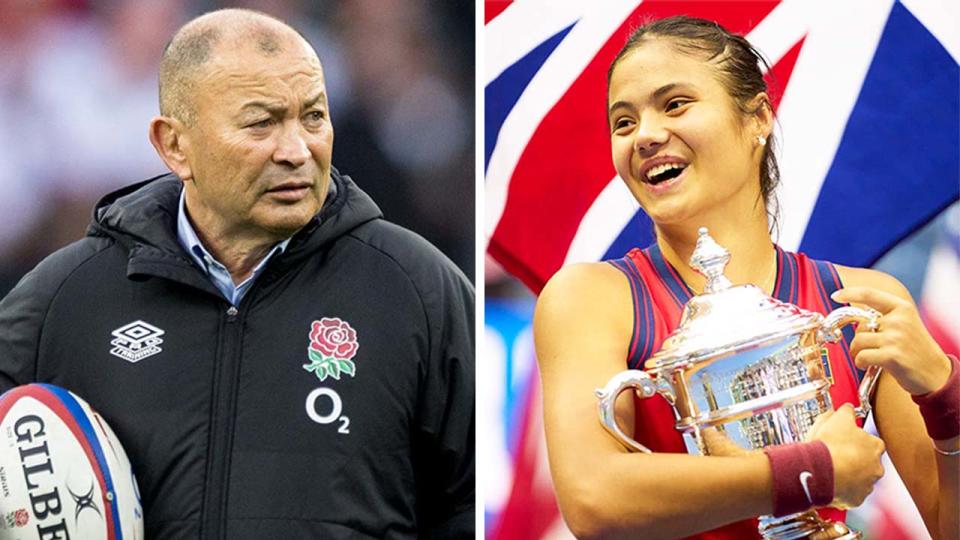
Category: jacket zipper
[226,373]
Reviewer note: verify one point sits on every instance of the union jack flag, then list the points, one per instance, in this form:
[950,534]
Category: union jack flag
[867,102]
[868,109]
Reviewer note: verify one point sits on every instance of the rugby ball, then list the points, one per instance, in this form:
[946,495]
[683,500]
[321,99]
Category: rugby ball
[63,473]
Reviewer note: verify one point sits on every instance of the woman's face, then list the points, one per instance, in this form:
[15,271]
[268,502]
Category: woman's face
[679,141]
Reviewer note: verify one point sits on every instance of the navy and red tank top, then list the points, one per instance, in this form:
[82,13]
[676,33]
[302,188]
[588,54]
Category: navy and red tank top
[658,299]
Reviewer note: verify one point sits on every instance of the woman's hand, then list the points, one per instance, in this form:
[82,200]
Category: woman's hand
[719,444]
[901,345]
[855,454]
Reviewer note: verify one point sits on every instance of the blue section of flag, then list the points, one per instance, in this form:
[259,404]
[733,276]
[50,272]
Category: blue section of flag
[502,93]
[899,150]
[951,230]
[72,405]
[637,233]
[511,319]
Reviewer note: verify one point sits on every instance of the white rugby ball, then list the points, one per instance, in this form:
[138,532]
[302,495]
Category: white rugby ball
[63,473]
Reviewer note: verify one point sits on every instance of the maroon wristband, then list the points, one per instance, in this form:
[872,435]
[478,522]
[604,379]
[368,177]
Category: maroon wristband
[941,409]
[802,476]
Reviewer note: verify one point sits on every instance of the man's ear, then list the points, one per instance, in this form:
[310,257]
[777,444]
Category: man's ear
[168,137]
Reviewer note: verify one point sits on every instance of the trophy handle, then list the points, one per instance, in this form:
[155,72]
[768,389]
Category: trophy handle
[830,331]
[632,378]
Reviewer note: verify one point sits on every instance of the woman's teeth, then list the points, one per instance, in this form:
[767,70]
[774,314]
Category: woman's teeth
[664,172]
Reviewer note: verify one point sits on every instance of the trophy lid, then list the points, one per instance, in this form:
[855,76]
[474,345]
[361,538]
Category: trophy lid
[726,318]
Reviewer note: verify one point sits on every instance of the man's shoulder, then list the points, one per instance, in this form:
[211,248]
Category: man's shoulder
[59,265]
[412,252]
[38,288]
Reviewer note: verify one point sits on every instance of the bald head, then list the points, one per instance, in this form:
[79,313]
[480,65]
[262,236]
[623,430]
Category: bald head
[198,43]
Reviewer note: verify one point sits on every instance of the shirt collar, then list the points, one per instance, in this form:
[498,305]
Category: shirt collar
[214,269]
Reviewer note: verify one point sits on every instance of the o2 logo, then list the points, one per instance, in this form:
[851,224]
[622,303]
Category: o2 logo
[318,401]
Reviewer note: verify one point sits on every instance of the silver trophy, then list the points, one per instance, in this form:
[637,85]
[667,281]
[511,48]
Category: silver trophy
[746,369]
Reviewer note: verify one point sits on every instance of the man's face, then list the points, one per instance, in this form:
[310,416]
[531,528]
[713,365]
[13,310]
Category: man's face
[261,146]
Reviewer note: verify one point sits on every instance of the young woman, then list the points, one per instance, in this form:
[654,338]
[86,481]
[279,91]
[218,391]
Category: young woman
[691,133]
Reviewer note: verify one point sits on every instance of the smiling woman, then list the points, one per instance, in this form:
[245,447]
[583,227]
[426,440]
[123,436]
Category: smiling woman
[694,90]
[691,135]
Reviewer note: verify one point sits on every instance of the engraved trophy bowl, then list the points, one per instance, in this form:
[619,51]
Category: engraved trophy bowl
[743,369]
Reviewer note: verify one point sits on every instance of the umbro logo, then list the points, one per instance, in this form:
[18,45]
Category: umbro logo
[136,341]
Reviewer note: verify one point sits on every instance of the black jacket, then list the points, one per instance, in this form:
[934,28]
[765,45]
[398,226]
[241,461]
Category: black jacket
[214,416]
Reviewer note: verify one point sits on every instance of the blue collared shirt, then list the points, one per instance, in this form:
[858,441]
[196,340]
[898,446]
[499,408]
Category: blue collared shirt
[215,270]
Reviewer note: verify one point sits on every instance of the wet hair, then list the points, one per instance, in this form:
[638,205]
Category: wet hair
[738,65]
[196,42]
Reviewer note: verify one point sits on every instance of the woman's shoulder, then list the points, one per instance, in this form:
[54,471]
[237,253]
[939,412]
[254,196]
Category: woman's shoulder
[585,294]
[852,276]
[583,281]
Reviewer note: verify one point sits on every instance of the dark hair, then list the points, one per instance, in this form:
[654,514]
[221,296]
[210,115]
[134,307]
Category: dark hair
[739,66]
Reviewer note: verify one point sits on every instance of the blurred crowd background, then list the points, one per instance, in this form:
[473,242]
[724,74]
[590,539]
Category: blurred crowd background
[78,87]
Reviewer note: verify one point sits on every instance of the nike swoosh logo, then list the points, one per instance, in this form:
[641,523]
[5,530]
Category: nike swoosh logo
[804,477]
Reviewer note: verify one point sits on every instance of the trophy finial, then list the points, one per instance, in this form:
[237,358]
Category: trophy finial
[710,259]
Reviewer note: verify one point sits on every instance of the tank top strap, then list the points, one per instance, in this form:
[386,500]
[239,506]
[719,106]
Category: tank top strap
[823,280]
[658,300]
[641,341]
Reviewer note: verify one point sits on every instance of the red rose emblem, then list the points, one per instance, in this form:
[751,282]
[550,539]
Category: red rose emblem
[21,517]
[334,337]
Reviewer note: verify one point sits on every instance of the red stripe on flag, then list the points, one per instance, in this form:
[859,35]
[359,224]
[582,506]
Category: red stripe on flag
[531,509]
[779,75]
[938,331]
[493,8]
[884,526]
[567,162]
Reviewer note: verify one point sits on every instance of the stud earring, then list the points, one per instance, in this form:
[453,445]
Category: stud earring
[762,140]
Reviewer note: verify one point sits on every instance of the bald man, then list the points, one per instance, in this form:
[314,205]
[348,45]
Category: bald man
[277,360]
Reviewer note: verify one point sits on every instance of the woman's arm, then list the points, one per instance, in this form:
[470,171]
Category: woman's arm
[582,326]
[914,364]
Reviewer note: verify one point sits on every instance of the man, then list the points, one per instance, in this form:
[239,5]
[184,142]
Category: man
[278,361]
